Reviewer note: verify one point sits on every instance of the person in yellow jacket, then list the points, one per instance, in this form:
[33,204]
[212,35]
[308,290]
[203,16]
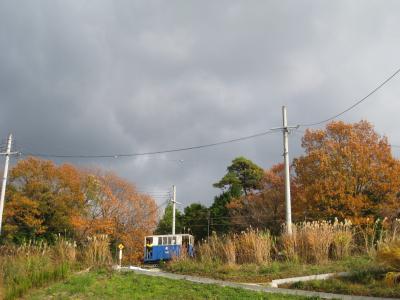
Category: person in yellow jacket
[149,248]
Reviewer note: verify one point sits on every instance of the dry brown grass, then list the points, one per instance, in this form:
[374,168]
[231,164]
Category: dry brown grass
[289,244]
[182,256]
[33,264]
[388,253]
[343,239]
[388,246]
[64,249]
[313,242]
[374,233]
[371,235]
[210,250]
[229,249]
[253,246]
[250,246]
[96,251]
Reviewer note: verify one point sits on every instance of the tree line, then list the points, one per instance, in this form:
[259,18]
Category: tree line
[347,171]
[44,200]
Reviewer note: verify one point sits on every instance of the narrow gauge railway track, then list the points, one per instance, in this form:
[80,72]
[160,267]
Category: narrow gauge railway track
[150,266]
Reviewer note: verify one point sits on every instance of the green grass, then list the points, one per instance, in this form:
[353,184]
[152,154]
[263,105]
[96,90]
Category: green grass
[108,285]
[263,273]
[23,273]
[364,283]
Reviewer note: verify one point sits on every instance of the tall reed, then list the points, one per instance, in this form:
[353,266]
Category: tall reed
[64,249]
[229,248]
[250,246]
[210,250]
[253,246]
[343,238]
[312,242]
[96,251]
[371,234]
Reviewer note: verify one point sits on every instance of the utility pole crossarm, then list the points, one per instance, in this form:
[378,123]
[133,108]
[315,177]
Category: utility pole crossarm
[287,128]
[11,153]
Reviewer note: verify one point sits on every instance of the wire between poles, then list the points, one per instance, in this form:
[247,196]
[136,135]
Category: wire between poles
[47,155]
[355,104]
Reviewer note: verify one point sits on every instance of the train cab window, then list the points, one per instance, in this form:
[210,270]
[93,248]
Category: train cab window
[169,240]
[165,240]
[173,240]
[160,240]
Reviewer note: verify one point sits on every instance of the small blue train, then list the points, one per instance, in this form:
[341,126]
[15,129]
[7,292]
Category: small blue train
[164,247]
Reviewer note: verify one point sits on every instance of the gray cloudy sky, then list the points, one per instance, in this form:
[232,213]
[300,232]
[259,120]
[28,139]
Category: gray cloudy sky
[100,77]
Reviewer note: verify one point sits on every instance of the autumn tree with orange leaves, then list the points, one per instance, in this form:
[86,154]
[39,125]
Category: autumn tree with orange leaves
[347,171]
[44,200]
[114,207]
[41,200]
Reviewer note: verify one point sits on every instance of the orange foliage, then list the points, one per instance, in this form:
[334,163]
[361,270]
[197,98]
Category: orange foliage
[114,207]
[44,200]
[41,199]
[347,171]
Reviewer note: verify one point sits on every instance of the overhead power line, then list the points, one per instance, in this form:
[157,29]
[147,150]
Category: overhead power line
[49,155]
[355,104]
[152,193]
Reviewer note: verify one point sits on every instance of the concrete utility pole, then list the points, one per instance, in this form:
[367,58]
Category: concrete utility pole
[173,208]
[285,130]
[287,171]
[3,187]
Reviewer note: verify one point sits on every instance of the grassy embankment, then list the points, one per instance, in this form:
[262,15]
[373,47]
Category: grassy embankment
[380,279]
[33,265]
[363,283]
[108,285]
[263,273]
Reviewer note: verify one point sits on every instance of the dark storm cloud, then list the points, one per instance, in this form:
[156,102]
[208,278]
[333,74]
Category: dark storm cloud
[99,77]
